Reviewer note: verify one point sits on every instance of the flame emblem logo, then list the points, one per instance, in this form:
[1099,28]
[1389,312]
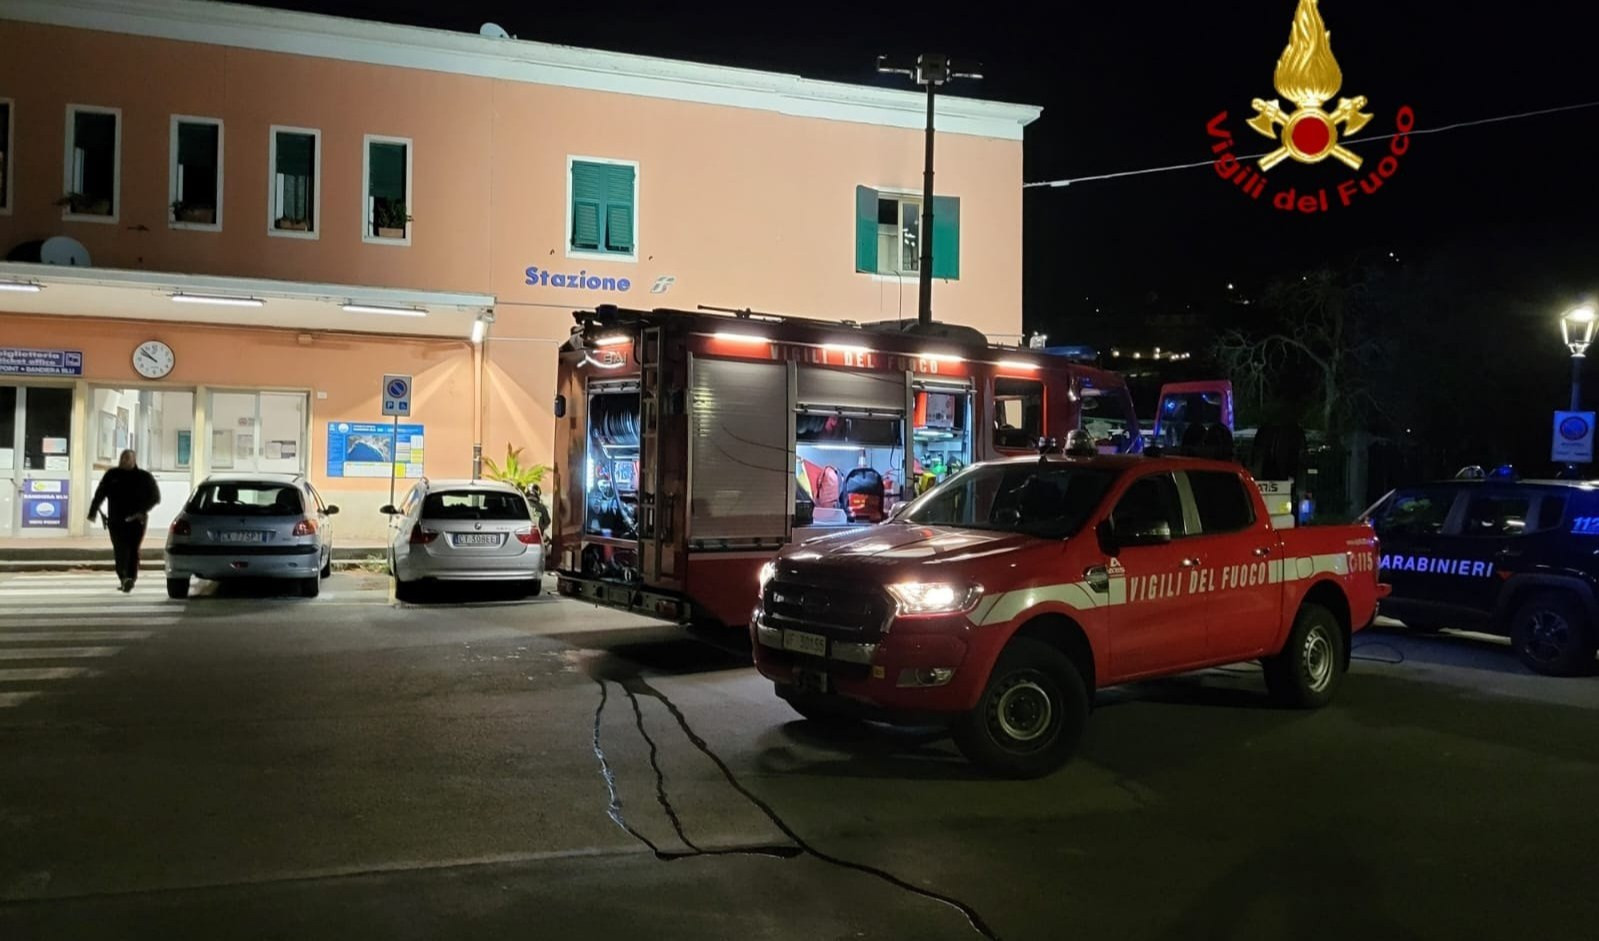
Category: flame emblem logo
[1309,76]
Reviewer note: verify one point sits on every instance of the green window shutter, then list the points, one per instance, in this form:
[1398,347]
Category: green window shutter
[386,165]
[946,237]
[588,191]
[865,229]
[619,208]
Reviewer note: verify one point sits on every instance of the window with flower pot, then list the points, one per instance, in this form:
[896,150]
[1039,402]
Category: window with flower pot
[92,170]
[195,173]
[5,155]
[295,178]
[386,172]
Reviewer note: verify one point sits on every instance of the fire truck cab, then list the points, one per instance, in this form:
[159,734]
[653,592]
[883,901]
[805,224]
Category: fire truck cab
[692,446]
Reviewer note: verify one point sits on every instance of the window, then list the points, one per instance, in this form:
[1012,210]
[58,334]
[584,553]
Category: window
[888,233]
[1018,413]
[1551,510]
[1414,513]
[258,431]
[195,174]
[246,498]
[1496,515]
[92,179]
[1050,500]
[474,505]
[1224,505]
[296,171]
[6,130]
[387,208]
[603,208]
[1150,499]
[1107,415]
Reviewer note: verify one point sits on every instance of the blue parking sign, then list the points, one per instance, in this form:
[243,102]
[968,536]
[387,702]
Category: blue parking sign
[396,395]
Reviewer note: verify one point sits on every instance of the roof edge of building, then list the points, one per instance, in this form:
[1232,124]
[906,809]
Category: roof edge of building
[375,43]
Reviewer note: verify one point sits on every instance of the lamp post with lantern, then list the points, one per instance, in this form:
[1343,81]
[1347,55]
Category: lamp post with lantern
[1577,327]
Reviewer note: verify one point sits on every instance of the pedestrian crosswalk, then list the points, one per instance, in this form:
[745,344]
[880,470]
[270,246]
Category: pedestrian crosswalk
[58,628]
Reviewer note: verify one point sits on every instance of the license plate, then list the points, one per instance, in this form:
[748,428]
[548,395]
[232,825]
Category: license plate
[477,539]
[249,535]
[801,642]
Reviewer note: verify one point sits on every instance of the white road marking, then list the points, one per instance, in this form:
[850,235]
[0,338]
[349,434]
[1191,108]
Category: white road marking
[56,653]
[36,674]
[42,637]
[8,700]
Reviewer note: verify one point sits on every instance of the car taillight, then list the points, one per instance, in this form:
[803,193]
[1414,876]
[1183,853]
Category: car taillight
[305,528]
[421,537]
[528,537]
[180,527]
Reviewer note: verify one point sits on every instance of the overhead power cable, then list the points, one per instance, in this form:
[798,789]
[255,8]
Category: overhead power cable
[1350,142]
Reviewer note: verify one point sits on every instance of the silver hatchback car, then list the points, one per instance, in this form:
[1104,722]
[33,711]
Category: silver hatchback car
[464,530]
[252,526]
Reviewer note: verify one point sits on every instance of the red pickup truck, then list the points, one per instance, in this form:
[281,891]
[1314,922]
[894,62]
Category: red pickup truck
[999,601]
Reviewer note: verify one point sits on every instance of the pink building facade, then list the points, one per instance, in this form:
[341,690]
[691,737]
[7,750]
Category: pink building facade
[275,210]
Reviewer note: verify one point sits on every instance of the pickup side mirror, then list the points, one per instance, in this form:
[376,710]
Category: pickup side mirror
[388,510]
[332,510]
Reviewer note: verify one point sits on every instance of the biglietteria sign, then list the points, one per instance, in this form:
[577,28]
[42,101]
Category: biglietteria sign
[1308,77]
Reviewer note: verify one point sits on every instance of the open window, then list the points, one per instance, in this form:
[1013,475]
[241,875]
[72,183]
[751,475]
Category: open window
[388,191]
[295,175]
[195,173]
[93,167]
[1018,413]
[1107,415]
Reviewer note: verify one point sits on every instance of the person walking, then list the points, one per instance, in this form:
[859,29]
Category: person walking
[129,492]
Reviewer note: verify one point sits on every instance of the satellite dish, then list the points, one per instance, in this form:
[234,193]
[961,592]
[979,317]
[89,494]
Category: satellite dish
[493,31]
[61,250]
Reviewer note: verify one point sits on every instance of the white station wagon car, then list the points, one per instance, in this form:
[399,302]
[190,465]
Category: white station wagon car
[251,526]
[464,530]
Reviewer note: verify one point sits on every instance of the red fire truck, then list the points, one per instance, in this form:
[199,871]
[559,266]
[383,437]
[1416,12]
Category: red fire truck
[691,446]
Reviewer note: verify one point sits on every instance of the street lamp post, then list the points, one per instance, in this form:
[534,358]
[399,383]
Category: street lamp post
[1577,327]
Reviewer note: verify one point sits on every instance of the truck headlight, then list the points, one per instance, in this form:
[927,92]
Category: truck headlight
[768,570]
[935,597]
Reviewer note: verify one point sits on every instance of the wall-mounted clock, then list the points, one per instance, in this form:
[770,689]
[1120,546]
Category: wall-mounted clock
[153,359]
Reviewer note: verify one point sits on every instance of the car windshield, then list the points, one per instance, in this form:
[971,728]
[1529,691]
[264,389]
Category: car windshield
[1051,500]
[246,498]
[474,505]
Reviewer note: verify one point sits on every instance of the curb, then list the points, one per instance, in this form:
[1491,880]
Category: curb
[63,560]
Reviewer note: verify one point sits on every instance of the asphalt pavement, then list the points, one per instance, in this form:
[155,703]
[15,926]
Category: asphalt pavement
[247,764]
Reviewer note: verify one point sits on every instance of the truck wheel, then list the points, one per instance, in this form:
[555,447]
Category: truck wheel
[1552,635]
[1030,716]
[1311,665]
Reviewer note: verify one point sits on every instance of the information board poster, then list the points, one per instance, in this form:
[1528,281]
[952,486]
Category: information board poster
[44,504]
[371,449]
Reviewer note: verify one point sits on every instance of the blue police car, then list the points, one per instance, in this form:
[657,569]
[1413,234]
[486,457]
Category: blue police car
[1498,555]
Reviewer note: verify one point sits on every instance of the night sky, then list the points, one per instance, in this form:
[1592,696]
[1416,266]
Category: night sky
[1126,86]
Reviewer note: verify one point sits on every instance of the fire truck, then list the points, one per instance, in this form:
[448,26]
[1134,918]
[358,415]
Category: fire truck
[692,446]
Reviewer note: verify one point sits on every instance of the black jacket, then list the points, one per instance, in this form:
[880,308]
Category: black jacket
[125,493]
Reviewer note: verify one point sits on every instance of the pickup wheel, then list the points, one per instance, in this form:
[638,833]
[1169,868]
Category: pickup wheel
[1030,716]
[1311,665]
[1552,635]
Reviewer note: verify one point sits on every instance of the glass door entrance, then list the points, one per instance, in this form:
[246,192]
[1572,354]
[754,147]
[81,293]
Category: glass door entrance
[35,466]
[158,424]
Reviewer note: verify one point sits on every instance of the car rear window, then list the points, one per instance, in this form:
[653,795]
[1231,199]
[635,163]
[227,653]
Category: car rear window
[246,498]
[474,505]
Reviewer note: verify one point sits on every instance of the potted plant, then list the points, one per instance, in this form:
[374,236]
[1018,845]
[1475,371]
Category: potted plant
[293,225]
[389,219]
[189,212]
[524,477]
[80,204]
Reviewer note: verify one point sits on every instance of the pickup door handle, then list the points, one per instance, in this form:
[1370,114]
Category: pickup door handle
[1262,552]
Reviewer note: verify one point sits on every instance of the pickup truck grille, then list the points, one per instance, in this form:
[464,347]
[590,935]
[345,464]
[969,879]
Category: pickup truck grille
[845,611]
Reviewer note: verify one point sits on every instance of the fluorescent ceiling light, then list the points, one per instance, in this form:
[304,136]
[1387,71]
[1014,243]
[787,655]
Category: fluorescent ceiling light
[739,337]
[377,309]
[612,340]
[25,286]
[219,301]
[478,329]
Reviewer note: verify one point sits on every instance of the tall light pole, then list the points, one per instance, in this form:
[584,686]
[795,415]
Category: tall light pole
[1576,327]
[931,70]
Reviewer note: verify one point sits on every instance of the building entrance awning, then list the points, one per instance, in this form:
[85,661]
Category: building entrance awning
[27,288]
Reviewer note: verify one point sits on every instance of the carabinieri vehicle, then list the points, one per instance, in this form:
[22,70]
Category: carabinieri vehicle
[999,602]
[1510,557]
